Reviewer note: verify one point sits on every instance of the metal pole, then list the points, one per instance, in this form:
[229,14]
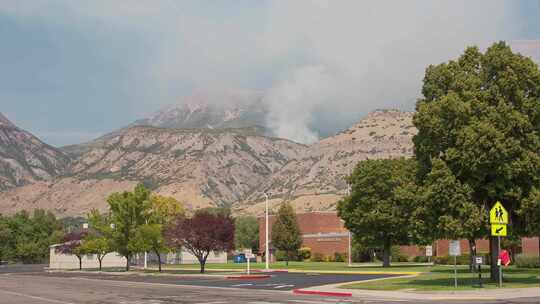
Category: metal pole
[146,254]
[499,261]
[267,249]
[455,271]
[350,250]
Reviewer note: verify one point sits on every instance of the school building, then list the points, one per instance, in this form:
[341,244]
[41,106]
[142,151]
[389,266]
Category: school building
[324,233]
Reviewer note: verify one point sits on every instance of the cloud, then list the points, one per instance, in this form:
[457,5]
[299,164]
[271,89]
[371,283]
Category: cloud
[317,60]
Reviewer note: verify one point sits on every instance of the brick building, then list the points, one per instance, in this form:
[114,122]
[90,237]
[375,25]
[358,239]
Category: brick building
[324,233]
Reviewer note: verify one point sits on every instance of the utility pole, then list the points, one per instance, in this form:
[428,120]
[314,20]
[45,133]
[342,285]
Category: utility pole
[350,245]
[267,249]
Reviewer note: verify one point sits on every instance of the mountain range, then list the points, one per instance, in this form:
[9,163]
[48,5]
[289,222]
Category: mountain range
[212,149]
[202,167]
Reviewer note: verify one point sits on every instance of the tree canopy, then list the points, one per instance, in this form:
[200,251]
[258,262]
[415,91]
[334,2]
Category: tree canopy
[201,234]
[286,235]
[378,211]
[480,114]
[246,234]
[128,211]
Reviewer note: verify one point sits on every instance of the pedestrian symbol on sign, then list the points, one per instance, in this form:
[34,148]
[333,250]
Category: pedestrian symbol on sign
[498,215]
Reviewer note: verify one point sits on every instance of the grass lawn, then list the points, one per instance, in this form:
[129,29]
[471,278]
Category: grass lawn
[311,266]
[441,278]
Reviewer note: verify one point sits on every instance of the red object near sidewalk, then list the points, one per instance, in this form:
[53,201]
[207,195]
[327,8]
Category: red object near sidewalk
[504,256]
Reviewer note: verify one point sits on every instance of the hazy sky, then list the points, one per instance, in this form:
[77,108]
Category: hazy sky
[73,70]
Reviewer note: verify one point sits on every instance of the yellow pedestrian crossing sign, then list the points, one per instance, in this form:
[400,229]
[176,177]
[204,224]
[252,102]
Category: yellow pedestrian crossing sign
[498,215]
[498,230]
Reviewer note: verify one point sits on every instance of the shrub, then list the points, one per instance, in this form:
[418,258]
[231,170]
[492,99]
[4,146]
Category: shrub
[317,257]
[524,261]
[280,255]
[340,256]
[329,258]
[304,254]
[420,259]
[397,256]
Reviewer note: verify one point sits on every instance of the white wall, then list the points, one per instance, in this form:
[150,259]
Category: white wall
[67,261]
[188,258]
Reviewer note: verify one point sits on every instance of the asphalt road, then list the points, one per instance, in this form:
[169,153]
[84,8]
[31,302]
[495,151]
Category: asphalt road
[31,285]
[278,280]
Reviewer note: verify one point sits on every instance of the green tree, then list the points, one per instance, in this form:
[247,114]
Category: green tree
[378,210]
[530,213]
[163,209]
[99,240]
[128,211]
[480,114]
[149,238]
[6,237]
[286,235]
[445,210]
[246,233]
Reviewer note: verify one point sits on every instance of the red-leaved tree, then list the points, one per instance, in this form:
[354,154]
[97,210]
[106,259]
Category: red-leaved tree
[201,234]
[72,245]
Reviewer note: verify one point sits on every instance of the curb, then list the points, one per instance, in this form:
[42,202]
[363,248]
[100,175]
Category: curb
[249,277]
[322,293]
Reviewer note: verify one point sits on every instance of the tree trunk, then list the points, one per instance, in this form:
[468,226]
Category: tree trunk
[539,245]
[472,252]
[159,259]
[494,256]
[202,261]
[80,262]
[100,259]
[127,262]
[386,254]
[286,259]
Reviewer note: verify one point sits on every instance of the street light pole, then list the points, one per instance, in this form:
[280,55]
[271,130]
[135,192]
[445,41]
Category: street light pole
[267,250]
[350,249]
[146,254]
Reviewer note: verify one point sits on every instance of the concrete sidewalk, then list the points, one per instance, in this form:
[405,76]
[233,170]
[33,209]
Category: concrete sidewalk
[484,294]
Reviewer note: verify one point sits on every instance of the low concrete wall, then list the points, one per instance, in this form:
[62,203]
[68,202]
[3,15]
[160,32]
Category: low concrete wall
[67,261]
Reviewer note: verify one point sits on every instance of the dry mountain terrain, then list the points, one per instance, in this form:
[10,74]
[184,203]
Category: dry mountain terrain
[210,150]
[25,159]
[225,167]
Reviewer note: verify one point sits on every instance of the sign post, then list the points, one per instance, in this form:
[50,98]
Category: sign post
[455,250]
[429,252]
[478,260]
[249,256]
[498,217]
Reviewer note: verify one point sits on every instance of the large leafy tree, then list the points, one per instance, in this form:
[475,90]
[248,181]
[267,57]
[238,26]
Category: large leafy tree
[72,245]
[378,210]
[445,209]
[203,233]
[150,237]
[6,237]
[286,235]
[99,240]
[530,212]
[480,114]
[246,234]
[128,211]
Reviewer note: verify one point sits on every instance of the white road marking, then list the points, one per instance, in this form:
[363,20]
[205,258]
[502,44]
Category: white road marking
[34,297]
[283,286]
[240,285]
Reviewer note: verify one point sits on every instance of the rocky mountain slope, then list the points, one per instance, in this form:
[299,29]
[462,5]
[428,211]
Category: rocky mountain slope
[211,110]
[199,167]
[225,167]
[315,180]
[25,159]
